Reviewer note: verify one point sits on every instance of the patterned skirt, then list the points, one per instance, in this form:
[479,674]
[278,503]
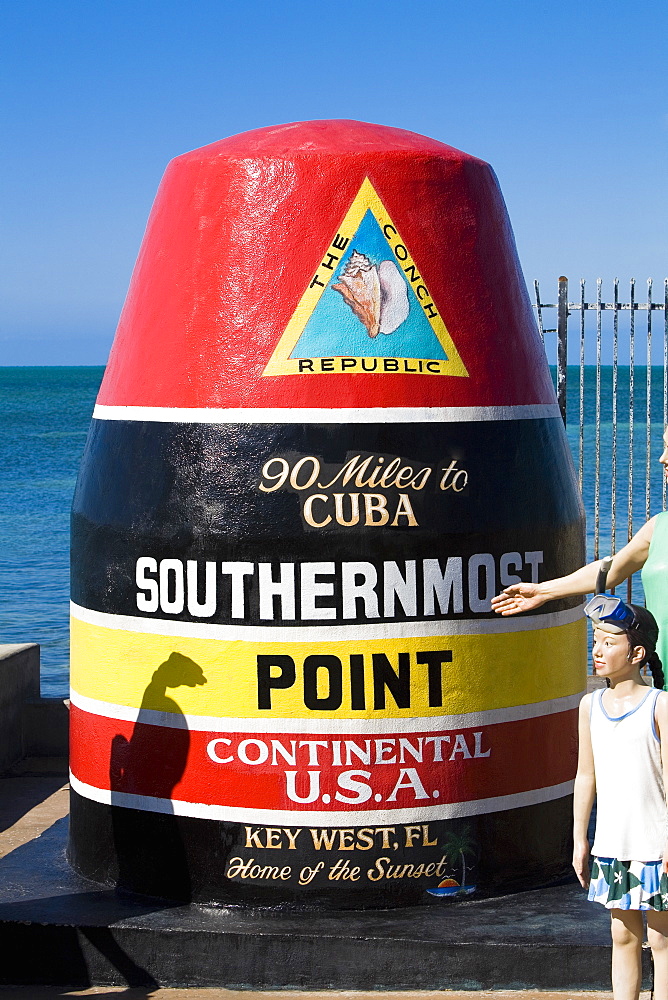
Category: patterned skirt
[628,885]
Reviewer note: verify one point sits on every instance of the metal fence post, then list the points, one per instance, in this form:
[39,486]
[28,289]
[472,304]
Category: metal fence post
[562,342]
[605,423]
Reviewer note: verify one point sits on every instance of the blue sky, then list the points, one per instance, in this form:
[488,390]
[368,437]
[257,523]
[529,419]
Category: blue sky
[567,100]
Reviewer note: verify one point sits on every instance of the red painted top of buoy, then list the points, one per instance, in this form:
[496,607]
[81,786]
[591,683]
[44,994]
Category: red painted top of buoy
[237,235]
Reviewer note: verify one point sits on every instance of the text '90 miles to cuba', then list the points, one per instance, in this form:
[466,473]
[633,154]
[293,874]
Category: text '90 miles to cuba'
[325,501]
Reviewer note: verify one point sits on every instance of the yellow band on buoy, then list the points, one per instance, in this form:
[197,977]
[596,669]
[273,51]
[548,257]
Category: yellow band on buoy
[358,678]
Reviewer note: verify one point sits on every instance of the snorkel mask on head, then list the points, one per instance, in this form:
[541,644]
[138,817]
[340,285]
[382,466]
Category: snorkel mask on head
[610,614]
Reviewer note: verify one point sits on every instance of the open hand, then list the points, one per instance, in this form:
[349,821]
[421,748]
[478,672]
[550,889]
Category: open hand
[518,597]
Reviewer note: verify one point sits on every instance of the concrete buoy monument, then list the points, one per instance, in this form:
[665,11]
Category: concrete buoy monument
[326,437]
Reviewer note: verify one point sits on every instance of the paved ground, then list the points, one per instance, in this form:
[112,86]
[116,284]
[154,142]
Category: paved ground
[32,797]
[48,993]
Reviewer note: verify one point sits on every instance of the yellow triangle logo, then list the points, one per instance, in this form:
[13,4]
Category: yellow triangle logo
[367,308]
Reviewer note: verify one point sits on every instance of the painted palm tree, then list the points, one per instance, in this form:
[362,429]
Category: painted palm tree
[459,843]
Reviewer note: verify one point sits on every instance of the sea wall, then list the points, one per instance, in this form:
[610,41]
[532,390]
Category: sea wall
[30,726]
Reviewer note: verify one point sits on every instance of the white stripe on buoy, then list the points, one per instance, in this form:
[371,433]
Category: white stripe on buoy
[353,817]
[325,633]
[310,415]
[328,727]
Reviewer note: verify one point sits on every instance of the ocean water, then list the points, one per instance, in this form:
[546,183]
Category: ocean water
[44,418]
[631,463]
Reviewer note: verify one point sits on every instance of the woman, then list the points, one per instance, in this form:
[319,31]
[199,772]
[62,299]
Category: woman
[647,551]
[623,761]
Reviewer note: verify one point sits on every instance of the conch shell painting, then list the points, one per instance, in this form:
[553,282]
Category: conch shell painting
[376,293]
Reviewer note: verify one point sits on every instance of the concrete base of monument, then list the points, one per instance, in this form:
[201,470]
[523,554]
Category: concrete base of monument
[58,928]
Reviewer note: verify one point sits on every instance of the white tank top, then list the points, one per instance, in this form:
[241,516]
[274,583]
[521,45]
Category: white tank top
[631,815]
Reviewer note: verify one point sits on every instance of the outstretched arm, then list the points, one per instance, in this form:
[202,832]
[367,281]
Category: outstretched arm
[583,794]
[527,596]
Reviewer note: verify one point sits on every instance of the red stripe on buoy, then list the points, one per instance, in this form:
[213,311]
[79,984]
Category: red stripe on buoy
[242,770]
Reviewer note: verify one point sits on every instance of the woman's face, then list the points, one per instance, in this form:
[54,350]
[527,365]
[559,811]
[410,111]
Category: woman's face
[610,656]
[663,457]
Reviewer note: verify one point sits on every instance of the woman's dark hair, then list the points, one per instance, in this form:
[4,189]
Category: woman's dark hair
[646,634]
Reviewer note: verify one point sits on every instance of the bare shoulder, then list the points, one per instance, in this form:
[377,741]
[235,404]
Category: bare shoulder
[585,704]
[661,712]
[645,533]
[662,703]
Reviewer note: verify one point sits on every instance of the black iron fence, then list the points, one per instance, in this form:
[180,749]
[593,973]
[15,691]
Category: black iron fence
[610,363]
